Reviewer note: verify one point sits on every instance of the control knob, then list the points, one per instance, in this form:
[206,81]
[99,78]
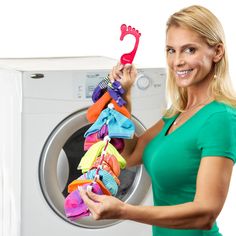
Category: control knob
[143,82]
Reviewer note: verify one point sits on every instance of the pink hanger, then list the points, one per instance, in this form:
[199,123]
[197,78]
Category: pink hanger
[129,57]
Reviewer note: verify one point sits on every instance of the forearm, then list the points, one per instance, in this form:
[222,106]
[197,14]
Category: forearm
[184,216]
[127,98]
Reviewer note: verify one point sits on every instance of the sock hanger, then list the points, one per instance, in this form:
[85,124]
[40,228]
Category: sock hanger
[128,58]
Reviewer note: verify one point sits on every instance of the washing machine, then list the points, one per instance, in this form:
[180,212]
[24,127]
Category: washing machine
[43,104]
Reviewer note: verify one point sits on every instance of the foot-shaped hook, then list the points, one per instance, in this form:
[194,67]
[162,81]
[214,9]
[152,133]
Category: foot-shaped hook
[129,57]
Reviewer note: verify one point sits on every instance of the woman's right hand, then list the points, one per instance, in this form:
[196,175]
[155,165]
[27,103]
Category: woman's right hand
[125,74]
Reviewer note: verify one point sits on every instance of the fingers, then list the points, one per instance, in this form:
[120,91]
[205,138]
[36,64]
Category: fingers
[133,72]
[92,206]
[118,70]
[102,206]
[130,74]
[126,70]
[95,197]
[116,73]
[84,195]
[93,202]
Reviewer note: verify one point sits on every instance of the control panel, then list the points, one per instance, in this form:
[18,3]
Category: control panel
[80,84]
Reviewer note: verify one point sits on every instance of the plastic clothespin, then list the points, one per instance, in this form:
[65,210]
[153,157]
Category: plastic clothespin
[97,177]
[100,166]
[107,138]
[110,106]
[128,58]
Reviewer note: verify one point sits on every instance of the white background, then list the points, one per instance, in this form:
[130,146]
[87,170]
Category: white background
[55,28]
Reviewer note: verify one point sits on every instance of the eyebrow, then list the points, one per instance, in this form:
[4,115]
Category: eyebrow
[185,45]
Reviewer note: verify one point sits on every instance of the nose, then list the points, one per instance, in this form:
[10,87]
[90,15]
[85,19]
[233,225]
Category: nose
[179,60]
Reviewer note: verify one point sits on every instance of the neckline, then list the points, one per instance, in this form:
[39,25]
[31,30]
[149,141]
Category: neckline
[187,121]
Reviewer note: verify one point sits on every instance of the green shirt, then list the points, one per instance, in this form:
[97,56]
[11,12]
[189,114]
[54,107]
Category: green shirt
[172,160]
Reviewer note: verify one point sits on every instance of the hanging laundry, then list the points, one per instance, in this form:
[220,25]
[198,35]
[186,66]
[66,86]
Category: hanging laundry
[94,111]
[91,139]
[100,89]
[81,182]
[95,151]
[75,207]
[118,125]
[102,162]
[114,88]
[116,91]
[109,163]
[106,179]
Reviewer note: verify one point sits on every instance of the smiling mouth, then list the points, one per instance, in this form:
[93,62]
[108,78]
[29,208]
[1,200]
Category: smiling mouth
[183,73]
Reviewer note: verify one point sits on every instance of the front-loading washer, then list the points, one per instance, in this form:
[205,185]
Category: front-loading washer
[44,103]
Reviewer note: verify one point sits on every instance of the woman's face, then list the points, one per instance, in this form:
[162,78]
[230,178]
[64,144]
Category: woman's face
[188,56]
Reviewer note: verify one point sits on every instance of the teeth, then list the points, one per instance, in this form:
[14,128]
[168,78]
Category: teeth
[183,72]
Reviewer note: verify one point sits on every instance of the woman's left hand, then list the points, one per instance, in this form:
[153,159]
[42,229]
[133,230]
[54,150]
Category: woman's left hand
[102,206]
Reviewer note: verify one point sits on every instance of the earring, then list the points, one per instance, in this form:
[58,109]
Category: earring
[215,77]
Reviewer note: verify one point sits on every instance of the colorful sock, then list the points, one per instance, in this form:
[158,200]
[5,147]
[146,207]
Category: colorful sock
[94,111]
[106,178]
[80,182]
[93,138]
[116,85]
[123,110]
[90,140]
[109,164]
[116,96]
[97,93]
[74,206]
[95,151]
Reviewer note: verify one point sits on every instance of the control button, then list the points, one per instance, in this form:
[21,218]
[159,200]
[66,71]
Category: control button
[143,82]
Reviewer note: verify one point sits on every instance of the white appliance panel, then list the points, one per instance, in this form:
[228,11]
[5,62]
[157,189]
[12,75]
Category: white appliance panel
[36,96]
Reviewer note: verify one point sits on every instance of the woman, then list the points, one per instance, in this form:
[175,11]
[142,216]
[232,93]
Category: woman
[189,154]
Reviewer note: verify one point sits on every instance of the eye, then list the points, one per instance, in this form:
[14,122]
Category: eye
[190,50]
[170,50]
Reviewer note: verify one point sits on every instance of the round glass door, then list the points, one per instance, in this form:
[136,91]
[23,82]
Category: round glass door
[60,157]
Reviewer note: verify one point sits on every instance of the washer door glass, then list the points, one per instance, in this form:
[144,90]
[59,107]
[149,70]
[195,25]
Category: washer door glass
[60,157]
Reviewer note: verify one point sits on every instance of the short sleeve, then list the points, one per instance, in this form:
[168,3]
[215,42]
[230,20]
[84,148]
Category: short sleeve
[217,136]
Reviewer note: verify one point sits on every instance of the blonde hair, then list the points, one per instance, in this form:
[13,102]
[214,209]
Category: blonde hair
[206,24]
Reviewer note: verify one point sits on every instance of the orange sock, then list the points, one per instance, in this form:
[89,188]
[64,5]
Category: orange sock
[123,110]
[80,182]
[94,111]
